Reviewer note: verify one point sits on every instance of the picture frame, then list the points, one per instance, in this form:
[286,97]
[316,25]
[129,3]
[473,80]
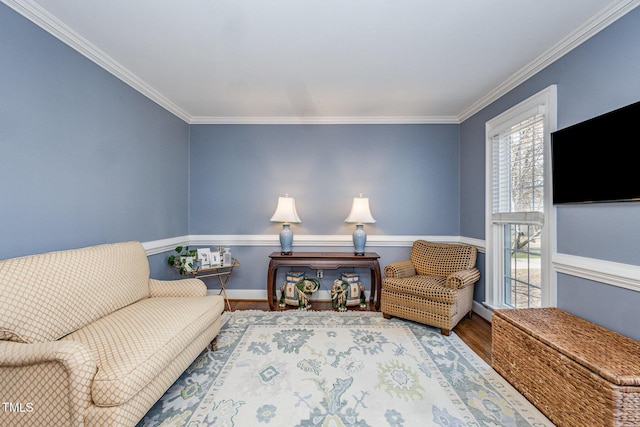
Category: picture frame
[214,258]
[204,255]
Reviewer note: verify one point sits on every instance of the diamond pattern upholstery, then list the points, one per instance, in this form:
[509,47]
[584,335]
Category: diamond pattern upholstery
[87,280]
[434,287]
[87,339]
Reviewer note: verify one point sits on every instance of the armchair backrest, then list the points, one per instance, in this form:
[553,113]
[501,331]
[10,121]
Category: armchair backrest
[442,259]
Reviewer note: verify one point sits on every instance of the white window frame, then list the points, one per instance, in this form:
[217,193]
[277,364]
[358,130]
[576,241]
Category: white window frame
[494,287]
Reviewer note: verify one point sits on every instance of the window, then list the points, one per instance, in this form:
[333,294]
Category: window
[520,217]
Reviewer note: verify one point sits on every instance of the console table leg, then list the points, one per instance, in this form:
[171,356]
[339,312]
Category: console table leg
[271,284]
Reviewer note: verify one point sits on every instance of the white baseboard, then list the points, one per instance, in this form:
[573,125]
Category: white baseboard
[482,311]
[261,295]
[242,294]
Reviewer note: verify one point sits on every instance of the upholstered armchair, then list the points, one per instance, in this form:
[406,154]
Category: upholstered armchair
[434,287]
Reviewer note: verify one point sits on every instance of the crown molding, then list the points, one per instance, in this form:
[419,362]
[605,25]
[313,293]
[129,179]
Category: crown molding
[39,16]
[334,120]
[612,12]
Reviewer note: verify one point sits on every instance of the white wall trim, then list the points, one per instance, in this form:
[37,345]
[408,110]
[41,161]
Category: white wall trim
[39,16]
[478,243]
[612,273]
[242,294]
[482,311]
[299,240]
[613,11]
[347,120]
[165,245]
[261,295]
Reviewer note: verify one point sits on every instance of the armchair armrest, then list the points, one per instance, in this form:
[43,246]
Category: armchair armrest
[462,279]
[47,382]
[177,288]
[400,269]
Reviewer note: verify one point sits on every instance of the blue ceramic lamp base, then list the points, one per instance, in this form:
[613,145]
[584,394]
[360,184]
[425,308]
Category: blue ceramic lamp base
[286,240]
[359,239]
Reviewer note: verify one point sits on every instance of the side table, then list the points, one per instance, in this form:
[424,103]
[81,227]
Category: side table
[222,272]
[322,261]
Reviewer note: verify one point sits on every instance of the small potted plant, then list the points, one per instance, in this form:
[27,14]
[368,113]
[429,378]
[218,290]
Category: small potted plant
[185,260]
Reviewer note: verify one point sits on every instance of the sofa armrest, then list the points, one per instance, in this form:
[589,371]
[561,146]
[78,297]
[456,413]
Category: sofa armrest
[400,269]
[177,288]
[48,383]
[462,279]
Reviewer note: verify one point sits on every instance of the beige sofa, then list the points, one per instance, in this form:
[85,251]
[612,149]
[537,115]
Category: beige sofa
[88,339]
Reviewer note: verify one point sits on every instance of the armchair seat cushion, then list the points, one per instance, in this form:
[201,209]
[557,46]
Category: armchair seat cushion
[424,286]
[133,345]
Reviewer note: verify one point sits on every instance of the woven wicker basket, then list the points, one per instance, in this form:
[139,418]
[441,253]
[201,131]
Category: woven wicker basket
[577,373]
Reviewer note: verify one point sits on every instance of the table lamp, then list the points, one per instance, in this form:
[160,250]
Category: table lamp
[360,214]
[286,213]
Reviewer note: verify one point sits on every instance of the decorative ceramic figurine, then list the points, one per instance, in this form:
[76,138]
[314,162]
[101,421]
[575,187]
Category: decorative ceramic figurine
[298,293]
[345,294]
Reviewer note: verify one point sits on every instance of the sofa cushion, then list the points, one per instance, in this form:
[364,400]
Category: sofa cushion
[134,344]
[47,296]
[426,286]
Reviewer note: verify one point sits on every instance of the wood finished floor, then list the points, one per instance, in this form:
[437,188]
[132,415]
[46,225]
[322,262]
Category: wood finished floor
[475,332]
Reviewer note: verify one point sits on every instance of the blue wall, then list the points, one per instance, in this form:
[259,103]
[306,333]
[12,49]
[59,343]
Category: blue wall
[600,75]
[409,172]
[85,158]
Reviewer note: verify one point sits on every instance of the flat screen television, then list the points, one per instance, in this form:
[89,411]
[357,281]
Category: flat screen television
[597,160]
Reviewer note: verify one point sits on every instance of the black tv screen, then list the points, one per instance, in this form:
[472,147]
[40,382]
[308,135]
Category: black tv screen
[597,160]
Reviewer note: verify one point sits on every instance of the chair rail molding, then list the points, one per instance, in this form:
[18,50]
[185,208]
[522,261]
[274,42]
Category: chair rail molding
[164,245]
[300,240]
[612,273]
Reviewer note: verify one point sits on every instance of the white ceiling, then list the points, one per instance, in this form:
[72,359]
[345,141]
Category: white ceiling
[323,61]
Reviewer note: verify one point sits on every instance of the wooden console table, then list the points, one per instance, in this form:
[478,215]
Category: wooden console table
[322,261]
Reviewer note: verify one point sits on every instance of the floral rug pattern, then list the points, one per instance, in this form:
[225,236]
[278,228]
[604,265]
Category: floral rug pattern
[357,369]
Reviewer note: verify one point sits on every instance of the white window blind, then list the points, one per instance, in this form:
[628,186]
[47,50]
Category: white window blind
[518,171]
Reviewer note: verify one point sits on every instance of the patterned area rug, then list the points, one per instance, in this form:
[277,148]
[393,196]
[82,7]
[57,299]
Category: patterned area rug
[298,368]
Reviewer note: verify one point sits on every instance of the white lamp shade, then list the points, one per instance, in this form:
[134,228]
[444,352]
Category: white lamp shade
[286,210]
[360,212]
